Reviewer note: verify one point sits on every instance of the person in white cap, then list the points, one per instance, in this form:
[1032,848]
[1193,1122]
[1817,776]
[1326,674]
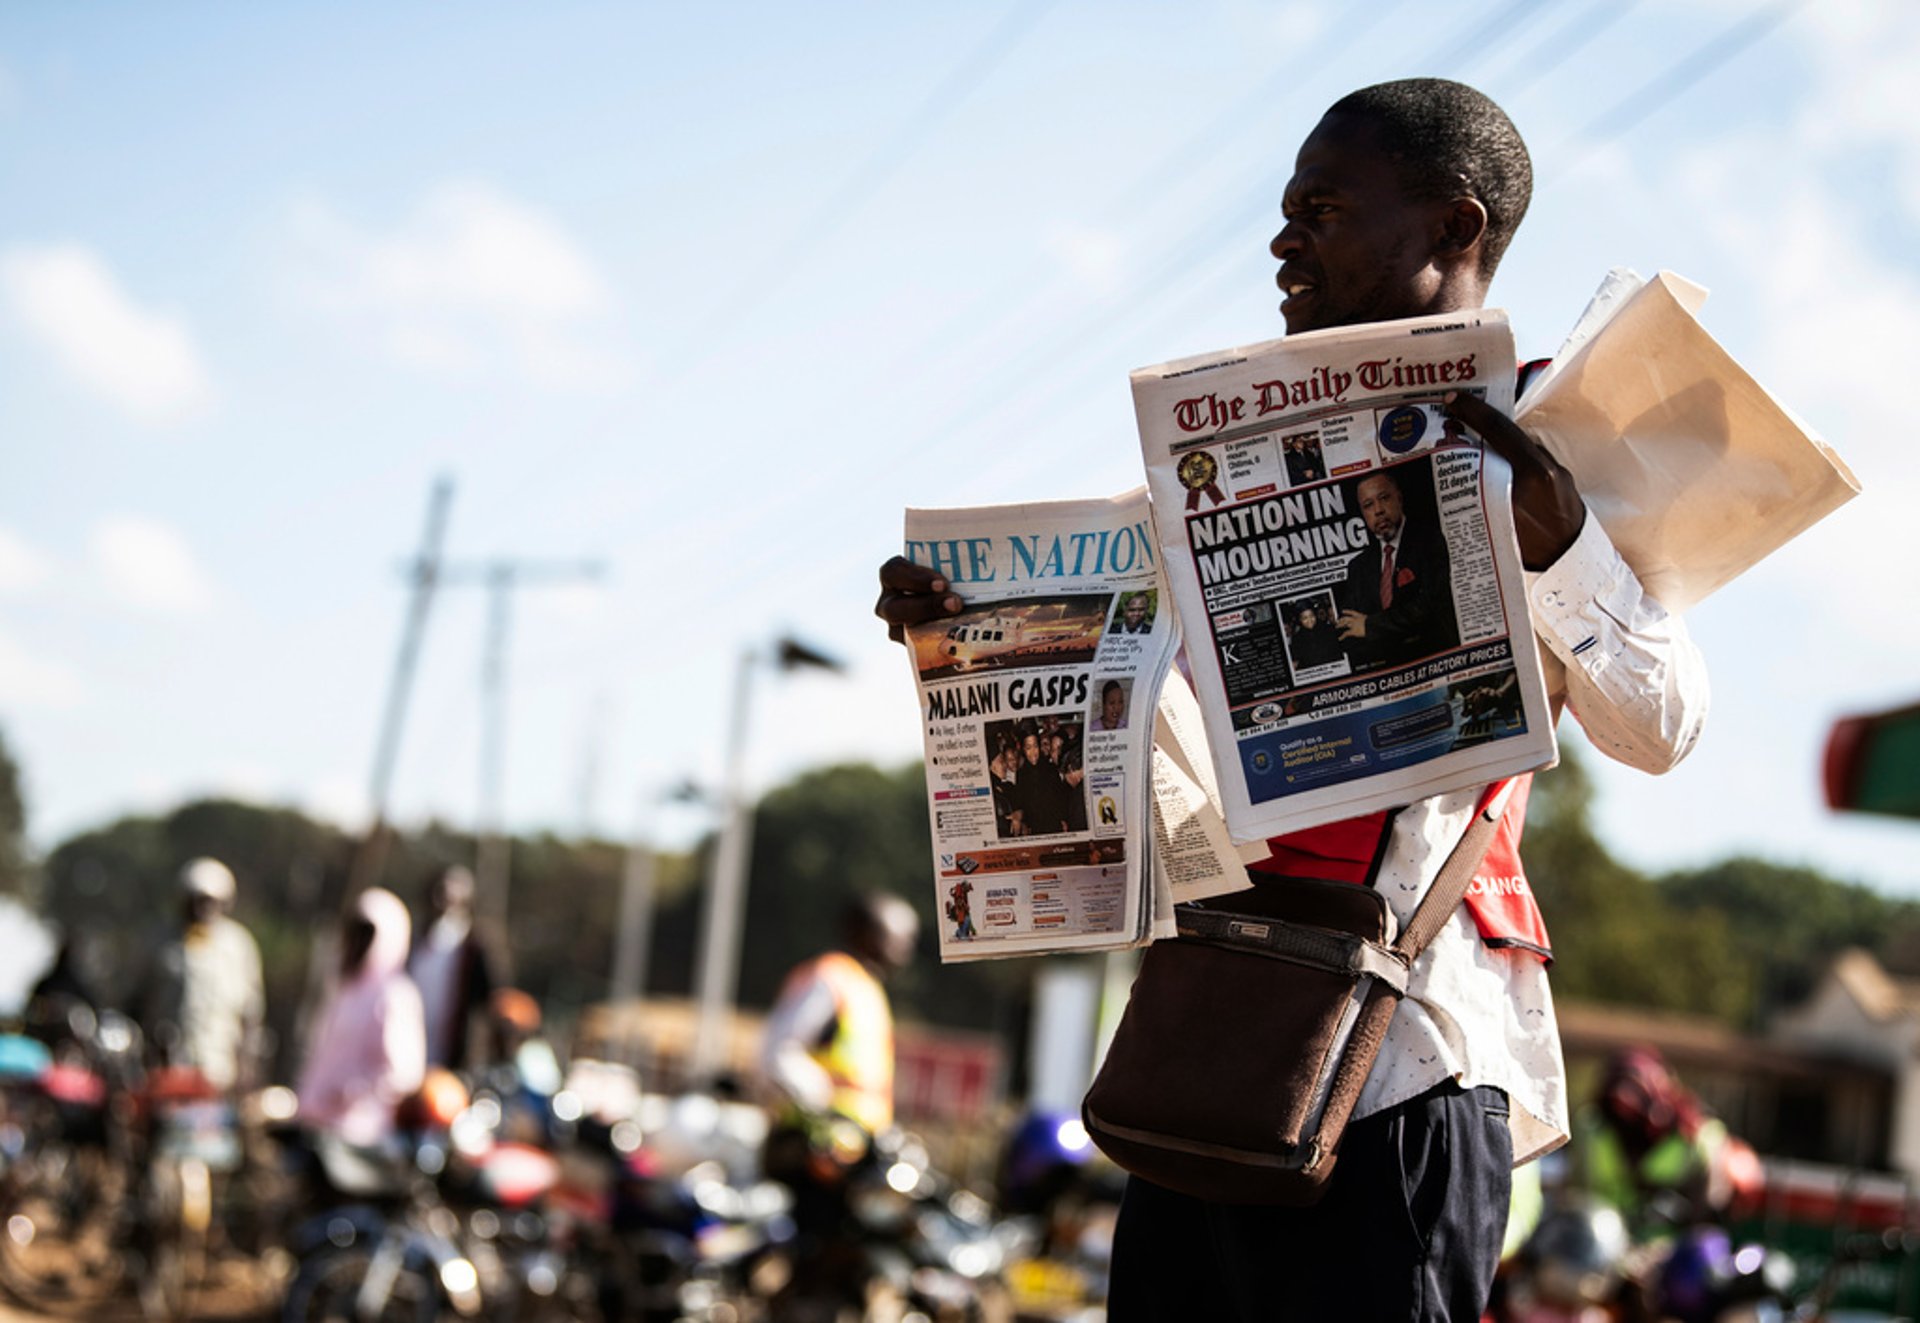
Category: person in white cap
[205,1002]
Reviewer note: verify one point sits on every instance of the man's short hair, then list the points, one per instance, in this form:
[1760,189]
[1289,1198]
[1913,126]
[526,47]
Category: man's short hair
[1446,138]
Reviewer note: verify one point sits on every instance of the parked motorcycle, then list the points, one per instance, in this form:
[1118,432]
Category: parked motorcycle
[69,1163]
[906,1240]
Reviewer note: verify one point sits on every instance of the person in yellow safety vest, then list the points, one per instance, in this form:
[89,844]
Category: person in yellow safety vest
[828,1049]
[1647,1141]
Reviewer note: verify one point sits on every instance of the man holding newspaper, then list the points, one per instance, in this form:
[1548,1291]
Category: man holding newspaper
[1402,201]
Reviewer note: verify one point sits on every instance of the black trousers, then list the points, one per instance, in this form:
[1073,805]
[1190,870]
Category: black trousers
[1409,1230]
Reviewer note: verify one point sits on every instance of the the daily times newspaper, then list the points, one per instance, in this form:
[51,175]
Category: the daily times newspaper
[1342,555]
[1039,708]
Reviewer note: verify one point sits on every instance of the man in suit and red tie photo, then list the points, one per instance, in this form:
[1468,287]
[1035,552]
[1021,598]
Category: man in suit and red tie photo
[1397,602]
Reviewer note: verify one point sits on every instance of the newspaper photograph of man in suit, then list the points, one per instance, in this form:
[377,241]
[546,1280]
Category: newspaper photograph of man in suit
[1396,604]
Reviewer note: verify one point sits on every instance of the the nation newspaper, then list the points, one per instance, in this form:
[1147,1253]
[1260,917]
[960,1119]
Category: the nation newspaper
[1038,706]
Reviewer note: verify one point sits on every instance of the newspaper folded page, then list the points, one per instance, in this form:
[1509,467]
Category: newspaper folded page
[1193,858]
[1342,557]
[1039,703]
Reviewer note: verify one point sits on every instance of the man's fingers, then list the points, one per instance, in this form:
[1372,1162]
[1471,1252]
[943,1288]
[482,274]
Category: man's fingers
[1547,510]
[901,575]
[1506,437]
[912,595]
[914,608]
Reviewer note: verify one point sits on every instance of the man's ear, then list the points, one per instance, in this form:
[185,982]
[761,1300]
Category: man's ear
[1462,224]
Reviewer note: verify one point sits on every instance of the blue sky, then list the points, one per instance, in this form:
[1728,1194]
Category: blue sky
[712,292]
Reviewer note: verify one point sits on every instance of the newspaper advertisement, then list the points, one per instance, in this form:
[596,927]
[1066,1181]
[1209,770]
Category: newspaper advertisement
[1341,554]
[1038,701]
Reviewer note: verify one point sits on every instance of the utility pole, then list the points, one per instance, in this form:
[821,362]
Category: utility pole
[492,879]
[370,859]
[633,939]
[423,571]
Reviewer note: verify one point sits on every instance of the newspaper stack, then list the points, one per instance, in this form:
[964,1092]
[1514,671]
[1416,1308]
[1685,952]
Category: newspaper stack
[1344,561]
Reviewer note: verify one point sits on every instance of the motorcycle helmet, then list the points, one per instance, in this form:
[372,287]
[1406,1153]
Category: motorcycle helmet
[1694,1274]
[1574,1255]
[1043,1157]
[437,1104]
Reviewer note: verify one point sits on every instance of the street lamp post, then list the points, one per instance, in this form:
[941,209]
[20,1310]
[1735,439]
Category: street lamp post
[634,937]
[726,903]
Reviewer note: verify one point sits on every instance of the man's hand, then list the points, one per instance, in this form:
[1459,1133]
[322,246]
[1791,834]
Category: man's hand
[1547,510]
[912,595]
[1351,625]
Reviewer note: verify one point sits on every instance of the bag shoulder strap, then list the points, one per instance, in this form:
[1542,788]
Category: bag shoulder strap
[1450,888]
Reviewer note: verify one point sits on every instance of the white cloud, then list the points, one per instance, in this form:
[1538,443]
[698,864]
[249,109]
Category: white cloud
[23,567]
[149,565]
[1864,53]
[142,360]
[471,281]
[30,681]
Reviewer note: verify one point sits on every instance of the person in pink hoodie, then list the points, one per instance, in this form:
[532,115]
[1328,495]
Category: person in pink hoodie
[369,1048]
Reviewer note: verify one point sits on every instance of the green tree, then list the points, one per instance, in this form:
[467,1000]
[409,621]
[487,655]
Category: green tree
[14,856]
[1788,921]
[818,841]
[1616,938]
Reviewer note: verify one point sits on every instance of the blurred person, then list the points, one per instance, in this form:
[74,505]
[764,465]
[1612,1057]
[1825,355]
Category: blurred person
[58,994]
[1113,706]
[828,1048]
[826,1064]
[454,969]
[369,1046]
[204,1003]
[1649,1147]
[525,1072]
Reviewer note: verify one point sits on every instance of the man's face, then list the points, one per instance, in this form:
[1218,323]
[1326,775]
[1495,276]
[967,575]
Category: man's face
[1136,611]
[1113,705]
[201,908]
[355,942]
[1380,507]
[451,892]
[1355,247]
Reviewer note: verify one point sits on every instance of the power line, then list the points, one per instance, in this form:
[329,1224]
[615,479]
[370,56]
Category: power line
[1679,78]
[830,216]
[1566,41]
[1157,181]
[1493,31]
[1039,369]
[1217,226]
